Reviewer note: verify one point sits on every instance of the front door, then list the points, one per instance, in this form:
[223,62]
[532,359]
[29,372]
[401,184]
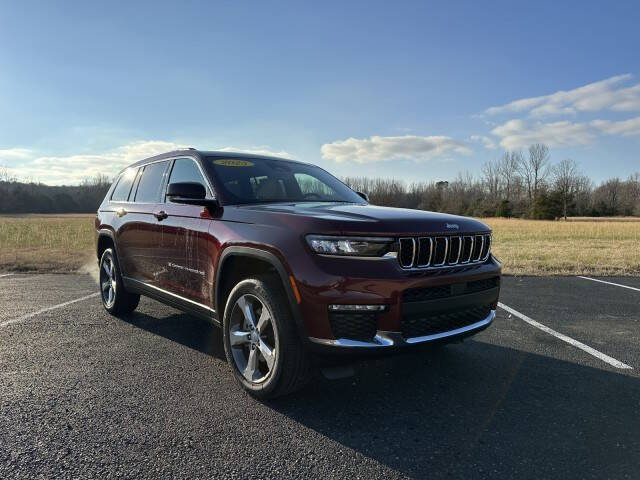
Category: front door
[185,240]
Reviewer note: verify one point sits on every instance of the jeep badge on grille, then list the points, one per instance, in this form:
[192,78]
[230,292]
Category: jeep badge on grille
[455,226]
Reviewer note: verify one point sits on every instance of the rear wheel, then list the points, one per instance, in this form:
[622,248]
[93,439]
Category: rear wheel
[115,299]
[260,339]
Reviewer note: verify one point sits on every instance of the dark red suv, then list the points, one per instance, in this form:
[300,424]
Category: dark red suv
[289,261]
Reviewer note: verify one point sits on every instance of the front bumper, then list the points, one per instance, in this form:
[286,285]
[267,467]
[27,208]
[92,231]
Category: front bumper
[390,340]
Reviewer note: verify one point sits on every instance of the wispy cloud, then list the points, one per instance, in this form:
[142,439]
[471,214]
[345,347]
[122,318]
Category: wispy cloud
[608,94]
[485,141]
[381,149]
[72,169]
[10,154]
[518,133]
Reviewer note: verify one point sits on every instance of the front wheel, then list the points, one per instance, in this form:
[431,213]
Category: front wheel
[115,299]
[260,340]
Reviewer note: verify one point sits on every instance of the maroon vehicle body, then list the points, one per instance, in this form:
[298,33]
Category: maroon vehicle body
[190,256]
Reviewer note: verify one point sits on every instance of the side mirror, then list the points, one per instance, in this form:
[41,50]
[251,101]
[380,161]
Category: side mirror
[364,196]
[190,193]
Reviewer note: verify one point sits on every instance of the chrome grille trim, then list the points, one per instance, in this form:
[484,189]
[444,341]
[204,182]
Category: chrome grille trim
[428,262]
[479,250]
[401,258]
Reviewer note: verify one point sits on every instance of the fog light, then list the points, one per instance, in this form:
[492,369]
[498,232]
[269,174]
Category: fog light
[357,308]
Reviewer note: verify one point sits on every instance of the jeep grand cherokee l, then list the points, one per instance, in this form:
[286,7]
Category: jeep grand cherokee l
[289,262]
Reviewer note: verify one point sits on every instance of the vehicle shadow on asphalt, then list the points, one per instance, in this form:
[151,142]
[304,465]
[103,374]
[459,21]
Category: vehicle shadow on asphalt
[189,331]
[478,410]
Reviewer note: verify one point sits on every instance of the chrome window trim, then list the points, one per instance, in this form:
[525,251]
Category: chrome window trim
[384,339]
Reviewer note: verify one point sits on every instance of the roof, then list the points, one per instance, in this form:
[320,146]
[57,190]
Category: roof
[208,153]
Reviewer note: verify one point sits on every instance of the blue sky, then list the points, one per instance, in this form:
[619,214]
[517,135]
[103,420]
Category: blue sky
[412,90]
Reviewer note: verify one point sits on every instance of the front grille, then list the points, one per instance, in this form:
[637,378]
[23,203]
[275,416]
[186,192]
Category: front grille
[418,326]
[443,251]
[422,294]
[354,326]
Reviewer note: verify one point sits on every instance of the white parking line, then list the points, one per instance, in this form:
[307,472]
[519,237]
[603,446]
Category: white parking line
[33,314]
[610,283]
[591,351]
[6,275]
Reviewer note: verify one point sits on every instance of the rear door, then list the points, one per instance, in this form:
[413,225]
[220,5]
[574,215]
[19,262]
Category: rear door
[141,235]
[187,246]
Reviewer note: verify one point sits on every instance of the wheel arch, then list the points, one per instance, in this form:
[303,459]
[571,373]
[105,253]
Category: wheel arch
[267,258]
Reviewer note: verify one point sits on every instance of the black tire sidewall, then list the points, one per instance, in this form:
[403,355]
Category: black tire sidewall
[263,291]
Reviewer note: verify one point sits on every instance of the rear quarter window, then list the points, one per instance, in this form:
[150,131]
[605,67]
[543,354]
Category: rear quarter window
[151,183]
[123,186]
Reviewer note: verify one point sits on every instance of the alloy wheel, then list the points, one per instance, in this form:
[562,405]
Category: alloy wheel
[108,281]
[253,339]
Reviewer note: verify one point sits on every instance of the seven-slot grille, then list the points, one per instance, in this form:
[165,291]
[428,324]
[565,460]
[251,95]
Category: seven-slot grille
[444,250]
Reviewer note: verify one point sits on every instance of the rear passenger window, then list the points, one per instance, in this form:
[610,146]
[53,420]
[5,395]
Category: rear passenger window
[123,187]
[186,170]
[150,184]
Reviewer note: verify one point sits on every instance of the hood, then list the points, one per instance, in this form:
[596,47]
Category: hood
[335,218]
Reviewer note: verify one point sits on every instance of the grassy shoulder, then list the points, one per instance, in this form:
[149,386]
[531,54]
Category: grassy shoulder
[50,243]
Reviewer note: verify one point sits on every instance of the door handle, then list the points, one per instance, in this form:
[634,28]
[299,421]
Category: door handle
[161,215]
[121,212]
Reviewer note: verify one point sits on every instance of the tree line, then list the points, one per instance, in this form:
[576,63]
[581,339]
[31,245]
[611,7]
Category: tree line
[518,184]
[31,197]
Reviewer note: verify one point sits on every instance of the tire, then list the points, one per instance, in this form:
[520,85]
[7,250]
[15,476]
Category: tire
[115,299]
[287,369]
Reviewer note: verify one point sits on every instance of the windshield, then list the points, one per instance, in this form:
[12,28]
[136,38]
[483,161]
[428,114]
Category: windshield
[258,180]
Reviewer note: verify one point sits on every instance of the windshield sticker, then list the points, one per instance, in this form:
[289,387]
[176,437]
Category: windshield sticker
[233,162]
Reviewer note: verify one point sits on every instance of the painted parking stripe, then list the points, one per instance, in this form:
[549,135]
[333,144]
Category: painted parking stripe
[60,305]
[610,283]
[6,275]
[591,351]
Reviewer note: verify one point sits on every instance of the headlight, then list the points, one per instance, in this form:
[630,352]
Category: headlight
[352,246]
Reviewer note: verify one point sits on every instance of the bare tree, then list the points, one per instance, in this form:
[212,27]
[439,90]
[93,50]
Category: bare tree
[534,170]
[491,174]
[509,171]
[565,177]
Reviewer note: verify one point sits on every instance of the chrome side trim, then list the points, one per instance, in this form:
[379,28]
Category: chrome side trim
[133,280]
[395,339]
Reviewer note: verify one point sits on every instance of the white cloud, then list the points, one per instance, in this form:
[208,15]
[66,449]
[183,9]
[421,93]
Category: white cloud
[72,169]
[624,127]
[515,134]
[381,149]
[484,140]
[15,154]
[606,94]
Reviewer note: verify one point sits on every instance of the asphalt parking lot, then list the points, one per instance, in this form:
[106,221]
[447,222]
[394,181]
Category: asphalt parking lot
[83,394]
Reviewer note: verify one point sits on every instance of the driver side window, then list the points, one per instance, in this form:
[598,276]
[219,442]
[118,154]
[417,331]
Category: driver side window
[186,170]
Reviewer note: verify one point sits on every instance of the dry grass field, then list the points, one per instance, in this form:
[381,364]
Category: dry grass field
[45,243]
[64,243]
[536,247]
